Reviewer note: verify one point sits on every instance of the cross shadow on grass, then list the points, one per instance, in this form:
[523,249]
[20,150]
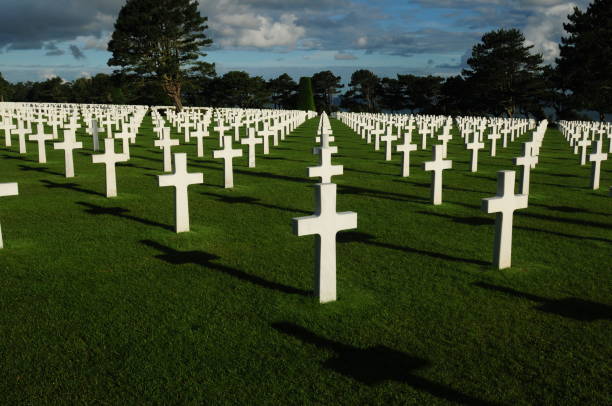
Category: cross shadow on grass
[205,259]
[121,213]
[19,158]
[365,238]
[377,364]
[571,307]
[251,201]
[400,197]
[39,169]
[70,186]
[472,221]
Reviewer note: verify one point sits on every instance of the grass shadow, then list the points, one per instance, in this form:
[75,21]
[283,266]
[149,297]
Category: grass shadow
[365,238]
[70,186]
[205,259]
[121,213]
[571,307]
[374,365]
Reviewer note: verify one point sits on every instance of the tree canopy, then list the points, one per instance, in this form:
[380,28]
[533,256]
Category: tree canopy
[160,39]
[503,71]
[585,61]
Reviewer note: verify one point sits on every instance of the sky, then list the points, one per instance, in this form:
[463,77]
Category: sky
[40,39]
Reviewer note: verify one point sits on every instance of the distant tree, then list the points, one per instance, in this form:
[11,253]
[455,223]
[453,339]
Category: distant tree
[5,89]
[503,73]
[305,98]
[585,60]
[422,93]
[455,97]
[363,93]
[239,89]
[325,86]
[161,40]
[283,90]
[392,95]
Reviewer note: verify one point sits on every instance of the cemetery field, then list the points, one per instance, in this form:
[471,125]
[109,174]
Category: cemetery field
[101,302]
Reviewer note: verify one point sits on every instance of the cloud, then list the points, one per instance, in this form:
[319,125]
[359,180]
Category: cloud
[257,31]
[76,52]
[53,50]
[344,56]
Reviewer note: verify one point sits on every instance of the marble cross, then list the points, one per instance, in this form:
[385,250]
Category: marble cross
[251,141]
[494,136]
[265,134]
[94,133]
[199,135]
[7,189]
[436,167]
[21,132]
[181,179]
[228,154]
[583,144]
[110,159]
[325,170]
[475,146]
[406,148]
[504,204]
[41,137]
[220,128]
[388,139]
[125,138]
[527,161]
[167,143]
[325,224]
[596,157]
[68,145]
[7,126]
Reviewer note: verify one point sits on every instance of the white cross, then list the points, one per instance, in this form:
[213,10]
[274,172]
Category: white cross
[388,139]
[475,146]
[7,126]
[220,128]
[265,134]
[325,170]
[438,165]
[527,161]
[228,154]
[325,223]
[445,138]
[181,179]
[7,189]
[406,148]
[596,157]
[199,135]
[251,141]
[583,144]
[110,159]
[425,131]
[377,131]
[94,134]
[504,204]
[68,145]
[505,131]
[494,136]
[41,137]
[167,143]
[21,131]
[125,137]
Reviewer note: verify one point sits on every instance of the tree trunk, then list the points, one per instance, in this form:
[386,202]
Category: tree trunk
[172,87]
[602,116]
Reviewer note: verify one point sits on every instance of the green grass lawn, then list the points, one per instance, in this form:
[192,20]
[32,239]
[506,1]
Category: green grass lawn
[101,302]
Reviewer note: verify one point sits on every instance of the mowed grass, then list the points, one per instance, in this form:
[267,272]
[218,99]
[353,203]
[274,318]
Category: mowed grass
[101,302]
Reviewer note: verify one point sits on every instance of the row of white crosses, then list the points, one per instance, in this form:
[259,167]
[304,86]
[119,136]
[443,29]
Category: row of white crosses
[506,202]
[581,135]
[326,222]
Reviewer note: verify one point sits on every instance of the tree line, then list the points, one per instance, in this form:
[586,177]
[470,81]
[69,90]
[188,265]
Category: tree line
[502,77]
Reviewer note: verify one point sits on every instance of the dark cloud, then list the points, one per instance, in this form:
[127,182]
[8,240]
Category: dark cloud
[76,52]
[53,50]
[29,24]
